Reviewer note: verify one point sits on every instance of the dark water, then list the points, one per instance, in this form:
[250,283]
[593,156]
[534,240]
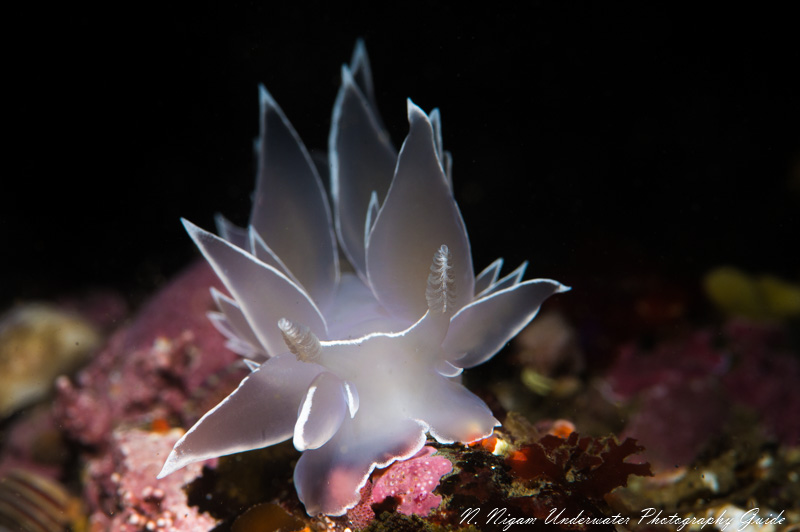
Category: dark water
[584,138]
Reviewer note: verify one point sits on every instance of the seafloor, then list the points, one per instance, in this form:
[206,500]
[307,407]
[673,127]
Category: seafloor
[692,414]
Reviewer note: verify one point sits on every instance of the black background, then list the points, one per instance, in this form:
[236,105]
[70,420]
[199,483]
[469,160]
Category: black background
[594,139]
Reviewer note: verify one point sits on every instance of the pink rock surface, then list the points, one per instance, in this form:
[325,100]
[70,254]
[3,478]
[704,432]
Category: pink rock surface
[361,515]
[166,368]
[675,422]
[412,482]
[764,375]
[155,368]
[682,390]
[125,494]
[670,363]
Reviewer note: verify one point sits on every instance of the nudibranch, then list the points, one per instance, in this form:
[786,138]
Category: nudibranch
[357,367]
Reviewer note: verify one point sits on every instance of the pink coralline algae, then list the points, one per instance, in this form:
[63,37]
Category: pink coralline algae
[153,373]
[149,369]
[125,494]
[411,482]
[361,515]
[668,364]
[691,384]
[765,370]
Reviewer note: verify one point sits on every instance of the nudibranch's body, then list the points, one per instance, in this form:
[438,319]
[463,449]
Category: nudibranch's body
[356,367]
